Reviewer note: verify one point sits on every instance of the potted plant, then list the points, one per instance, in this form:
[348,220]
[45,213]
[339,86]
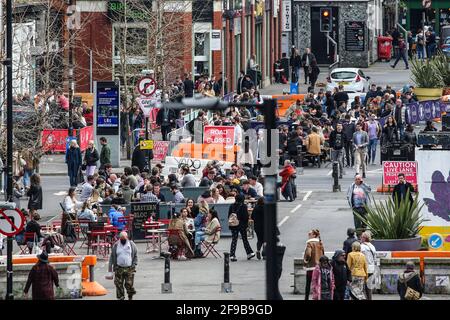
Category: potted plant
[395,226]
[442,66]
[428,81]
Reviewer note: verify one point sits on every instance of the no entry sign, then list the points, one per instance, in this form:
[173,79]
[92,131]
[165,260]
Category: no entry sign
[11,222]
[219,134]
[147,86]
[391,169]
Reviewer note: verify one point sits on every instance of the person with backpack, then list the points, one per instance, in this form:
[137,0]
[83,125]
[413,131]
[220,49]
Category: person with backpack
[238,222]
[409,286]
[370,253]
[314,250]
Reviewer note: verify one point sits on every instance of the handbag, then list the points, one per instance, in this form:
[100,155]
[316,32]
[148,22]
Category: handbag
[411,294]
[233,220]
[37,250]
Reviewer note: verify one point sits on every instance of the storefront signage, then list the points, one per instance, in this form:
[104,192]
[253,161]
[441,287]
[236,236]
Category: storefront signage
[129,11]
[216,40]
[286,17]
[355,34]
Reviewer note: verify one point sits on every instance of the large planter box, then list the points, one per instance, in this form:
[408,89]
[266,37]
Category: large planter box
[412,244]
[428,93]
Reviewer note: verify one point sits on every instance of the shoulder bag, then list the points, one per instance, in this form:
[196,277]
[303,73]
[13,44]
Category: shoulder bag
[411,294]
[233,220]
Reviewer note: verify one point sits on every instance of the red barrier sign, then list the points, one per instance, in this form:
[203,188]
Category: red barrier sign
[391,169]
[219,135]
[160,150]
[55,139]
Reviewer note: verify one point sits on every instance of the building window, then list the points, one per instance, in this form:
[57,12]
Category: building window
[201,53]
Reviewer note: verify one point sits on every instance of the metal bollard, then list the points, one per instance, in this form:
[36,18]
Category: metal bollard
[226,285]
[91,273]
[336,185]
[166,287]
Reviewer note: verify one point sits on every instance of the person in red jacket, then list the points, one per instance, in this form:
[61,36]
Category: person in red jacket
[288,189]
[322,282]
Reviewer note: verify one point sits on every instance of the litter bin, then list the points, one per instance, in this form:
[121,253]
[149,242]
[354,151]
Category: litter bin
[384,48]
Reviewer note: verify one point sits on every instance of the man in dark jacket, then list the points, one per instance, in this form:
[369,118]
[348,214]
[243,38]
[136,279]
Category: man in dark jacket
[401,189]
[105,153]
[138,158]
[42,277]
[409,279]
[240,209]
[166,120]
[247,84]
[308,62]
[73,160]
[342,274]
[349,241]
[188,86]
[136,122]
[349,129]
[337,141]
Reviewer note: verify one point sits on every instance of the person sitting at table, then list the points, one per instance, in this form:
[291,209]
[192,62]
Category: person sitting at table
[192,208]
[100,185]
[148,195]
[114,216]
[157,192]
[126,190]
[222,191]
[207,233]
[176,223]
[86,214]
[188,220]
[114,181]
[70,203]
[33,226]
[95,198]
[217,198]
[118,199]
[109,196]
[248,193]
[68,229]
[177,195]
[206,196]
[200,219]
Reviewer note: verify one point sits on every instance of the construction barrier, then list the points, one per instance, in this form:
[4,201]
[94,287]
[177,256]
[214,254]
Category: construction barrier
[387,188]
[90,287]
[209,151]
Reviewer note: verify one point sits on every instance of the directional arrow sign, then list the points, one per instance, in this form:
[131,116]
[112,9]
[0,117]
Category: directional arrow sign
[11,222]
[435,241]
[146,86]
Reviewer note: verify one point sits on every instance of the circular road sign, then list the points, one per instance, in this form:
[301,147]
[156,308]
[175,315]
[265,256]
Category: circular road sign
[435,241]
[146,86]
[11,222]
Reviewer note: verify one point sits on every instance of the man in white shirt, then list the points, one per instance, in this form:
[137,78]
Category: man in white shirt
[237,131]
[370,253]
[122,262]
[87,188]
[257,186]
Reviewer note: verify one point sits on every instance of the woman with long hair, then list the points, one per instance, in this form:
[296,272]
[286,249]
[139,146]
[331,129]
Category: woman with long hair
[357,264]
[239,208]
[35,194]
[314,250]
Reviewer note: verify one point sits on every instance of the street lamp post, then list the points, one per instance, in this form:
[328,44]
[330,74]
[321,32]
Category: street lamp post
[71,76]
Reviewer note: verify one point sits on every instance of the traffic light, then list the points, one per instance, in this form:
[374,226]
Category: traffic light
[325,19]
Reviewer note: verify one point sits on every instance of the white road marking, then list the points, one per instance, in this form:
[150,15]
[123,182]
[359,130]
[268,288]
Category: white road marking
[307,195]
[296,208]
[329,173]
[283,221]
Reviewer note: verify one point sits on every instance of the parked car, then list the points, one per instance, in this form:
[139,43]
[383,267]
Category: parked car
[353,79]
[445,47]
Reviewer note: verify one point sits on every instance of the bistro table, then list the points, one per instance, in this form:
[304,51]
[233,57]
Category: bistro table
[159,232]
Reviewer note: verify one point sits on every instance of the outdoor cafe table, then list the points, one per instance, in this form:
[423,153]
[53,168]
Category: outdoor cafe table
[159,232]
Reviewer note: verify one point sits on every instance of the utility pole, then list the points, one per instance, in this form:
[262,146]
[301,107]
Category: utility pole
[71,76]
[396,13]
[9,141]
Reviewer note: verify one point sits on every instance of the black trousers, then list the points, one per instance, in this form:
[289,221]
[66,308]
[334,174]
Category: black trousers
[359,225]
[164,131]
[348,146]
[308,283]
[306,72]
[339,294]
[235,235]
[260,241]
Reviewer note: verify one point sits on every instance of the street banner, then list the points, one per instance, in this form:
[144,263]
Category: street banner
[425,110]
[219,135]
[160,149]
[391,169]
[172,164]
[54,140]
[286,16]
[86,135]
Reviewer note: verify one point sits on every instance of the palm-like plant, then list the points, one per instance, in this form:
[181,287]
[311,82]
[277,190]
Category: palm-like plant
[392,219]
[425,75]
[441,65]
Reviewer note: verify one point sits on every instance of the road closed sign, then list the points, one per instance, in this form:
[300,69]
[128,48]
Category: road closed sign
[219,135]
[391,169]
[12,222]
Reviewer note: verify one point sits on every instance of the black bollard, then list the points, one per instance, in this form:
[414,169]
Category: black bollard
[226,285]
[336,185]
[166,287]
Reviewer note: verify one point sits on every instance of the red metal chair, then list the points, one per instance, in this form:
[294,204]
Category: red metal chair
[69,247]
[210,246]
[174,239]
[99,243]
[151,238]
[28,237]
[84,227]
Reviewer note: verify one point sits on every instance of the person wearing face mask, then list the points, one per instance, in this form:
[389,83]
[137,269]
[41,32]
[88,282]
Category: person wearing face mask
[122,262]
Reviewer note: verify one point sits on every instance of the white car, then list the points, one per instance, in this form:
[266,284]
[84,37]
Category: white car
[353,79]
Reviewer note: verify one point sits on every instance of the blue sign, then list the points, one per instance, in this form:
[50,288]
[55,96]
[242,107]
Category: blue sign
[435,241]
[108,107]
[425,110]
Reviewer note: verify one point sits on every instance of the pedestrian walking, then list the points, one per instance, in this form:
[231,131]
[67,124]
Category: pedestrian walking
[42,277]
[402,53]
[73,161]
[105,153]
[409,286]
[258,220]
[296,64]
[347,247]
[369,251]
[430,40]
[336,143]
[314,250]
[308,61]
[374,132]
[122,262]
[90,158]
[358,197]
[238,211]
[420,46]
[322,282]
[402,189]
[357,264]
[360,141]
[342,274]
[35,194]
[349,128]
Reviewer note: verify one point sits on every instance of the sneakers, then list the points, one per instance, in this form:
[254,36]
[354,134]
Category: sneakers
[340,176]
[364,175]
[233,258]
[182,258]
[392,66]
[251,255]
[258,255]
[406,68]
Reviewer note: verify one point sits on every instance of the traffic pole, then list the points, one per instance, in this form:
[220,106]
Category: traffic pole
[226,285]
[336,185]
[270,204]
[166,287]
[9,143]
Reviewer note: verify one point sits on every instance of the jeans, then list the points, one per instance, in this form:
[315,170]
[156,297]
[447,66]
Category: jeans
[348,145]
[26,177]
[297,74]
[73,179]
[306,70]
[431,49]
[360,159]
[359,225]
[199,237]
[338,155]
[372,150]
[420,54]
[136,137]
[402,55]
[401,130]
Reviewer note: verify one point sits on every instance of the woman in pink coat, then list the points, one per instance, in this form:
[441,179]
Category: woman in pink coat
[323,280]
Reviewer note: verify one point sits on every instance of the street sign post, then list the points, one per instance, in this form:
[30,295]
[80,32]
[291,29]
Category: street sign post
[146,86]
[12,222]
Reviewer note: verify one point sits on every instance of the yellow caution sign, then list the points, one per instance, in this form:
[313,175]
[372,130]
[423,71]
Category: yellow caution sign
[146,144]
